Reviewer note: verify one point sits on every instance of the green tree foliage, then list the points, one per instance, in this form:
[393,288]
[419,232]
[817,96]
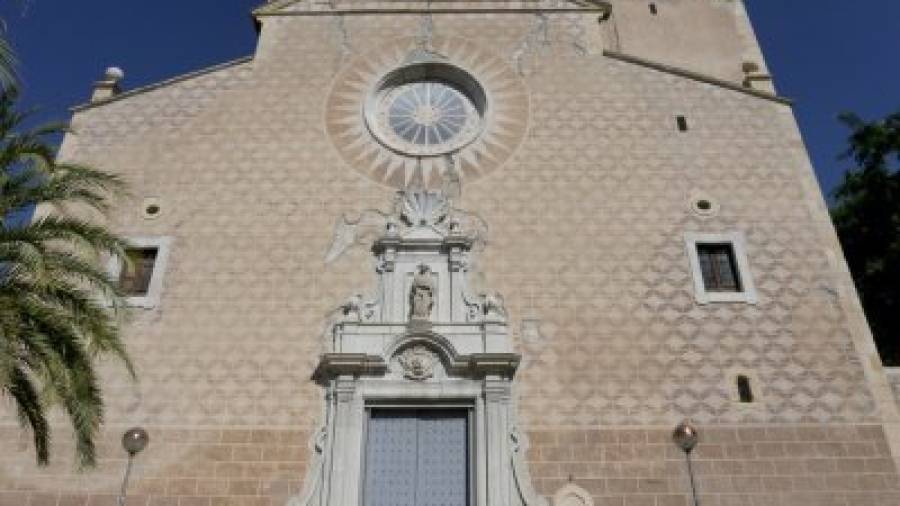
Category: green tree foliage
[58,308]
[867,217]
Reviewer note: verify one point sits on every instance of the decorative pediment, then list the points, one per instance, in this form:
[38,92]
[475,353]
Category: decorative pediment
[282,7]
[419,357]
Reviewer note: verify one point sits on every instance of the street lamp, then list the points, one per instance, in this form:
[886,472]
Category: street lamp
[133,441]
[686,437]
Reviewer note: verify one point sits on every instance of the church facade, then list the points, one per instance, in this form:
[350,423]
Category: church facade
[476,253]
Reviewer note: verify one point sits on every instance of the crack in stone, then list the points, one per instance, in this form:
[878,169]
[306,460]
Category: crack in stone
[343,36]
[426,30]
[538,36]
[578,33]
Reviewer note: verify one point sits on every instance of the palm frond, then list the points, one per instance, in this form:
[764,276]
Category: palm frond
[8,77]
[31,412]
[64,185]
[56,354]
[59,309]
[75,231]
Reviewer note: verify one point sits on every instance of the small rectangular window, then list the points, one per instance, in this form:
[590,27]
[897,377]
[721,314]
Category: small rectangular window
[745,391]
[682,123]
[719,268]
[653,9]
[137,271]
[140,274]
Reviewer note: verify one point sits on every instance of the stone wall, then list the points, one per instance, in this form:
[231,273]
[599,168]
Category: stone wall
[840,465]
[587,213]
[733,465]
[180,467]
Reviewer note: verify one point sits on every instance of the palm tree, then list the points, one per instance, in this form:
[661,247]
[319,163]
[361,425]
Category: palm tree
[58,307]
[7,64]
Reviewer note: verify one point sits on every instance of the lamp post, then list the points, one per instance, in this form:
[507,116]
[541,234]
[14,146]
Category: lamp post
[133,441]
[685,437]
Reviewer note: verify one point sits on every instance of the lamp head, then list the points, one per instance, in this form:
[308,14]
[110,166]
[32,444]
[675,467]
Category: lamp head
[685,436]
[135,440]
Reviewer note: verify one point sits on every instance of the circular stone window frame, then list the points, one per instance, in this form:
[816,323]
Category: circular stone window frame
[507,119]
[150,203]
[452,75]
[696,200]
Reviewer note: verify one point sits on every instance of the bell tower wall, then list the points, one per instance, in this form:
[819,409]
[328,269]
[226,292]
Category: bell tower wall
[710,37]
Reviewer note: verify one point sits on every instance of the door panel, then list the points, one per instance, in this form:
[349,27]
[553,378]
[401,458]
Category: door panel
[417,458]
[443,459]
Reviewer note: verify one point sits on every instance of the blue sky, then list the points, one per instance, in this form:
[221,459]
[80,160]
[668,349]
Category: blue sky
[828,55]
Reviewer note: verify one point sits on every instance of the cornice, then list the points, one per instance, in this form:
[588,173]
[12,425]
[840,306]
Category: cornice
[320,7]
[689,74]
[162,84]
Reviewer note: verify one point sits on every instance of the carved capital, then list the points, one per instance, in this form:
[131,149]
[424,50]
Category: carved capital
[344,390]
[503,365]
[497,390]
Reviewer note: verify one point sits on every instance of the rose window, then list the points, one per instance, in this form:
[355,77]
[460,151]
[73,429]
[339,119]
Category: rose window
[426,110]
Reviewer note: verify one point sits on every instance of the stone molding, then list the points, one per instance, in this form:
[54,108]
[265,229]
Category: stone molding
[162,84]
[696,76]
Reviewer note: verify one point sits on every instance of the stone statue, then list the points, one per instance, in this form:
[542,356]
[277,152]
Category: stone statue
[422,294]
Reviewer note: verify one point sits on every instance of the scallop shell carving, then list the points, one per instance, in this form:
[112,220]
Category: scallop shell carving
[423,209]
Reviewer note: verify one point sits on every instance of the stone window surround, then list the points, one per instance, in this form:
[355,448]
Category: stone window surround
[737,241]
[154,293]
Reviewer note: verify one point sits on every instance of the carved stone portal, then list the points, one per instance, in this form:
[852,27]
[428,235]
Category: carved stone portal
[422,335]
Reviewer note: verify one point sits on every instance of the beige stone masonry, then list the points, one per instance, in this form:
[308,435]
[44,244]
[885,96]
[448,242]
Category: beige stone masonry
[586,199]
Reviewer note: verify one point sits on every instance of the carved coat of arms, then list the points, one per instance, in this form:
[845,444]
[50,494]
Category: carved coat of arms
[417,363]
